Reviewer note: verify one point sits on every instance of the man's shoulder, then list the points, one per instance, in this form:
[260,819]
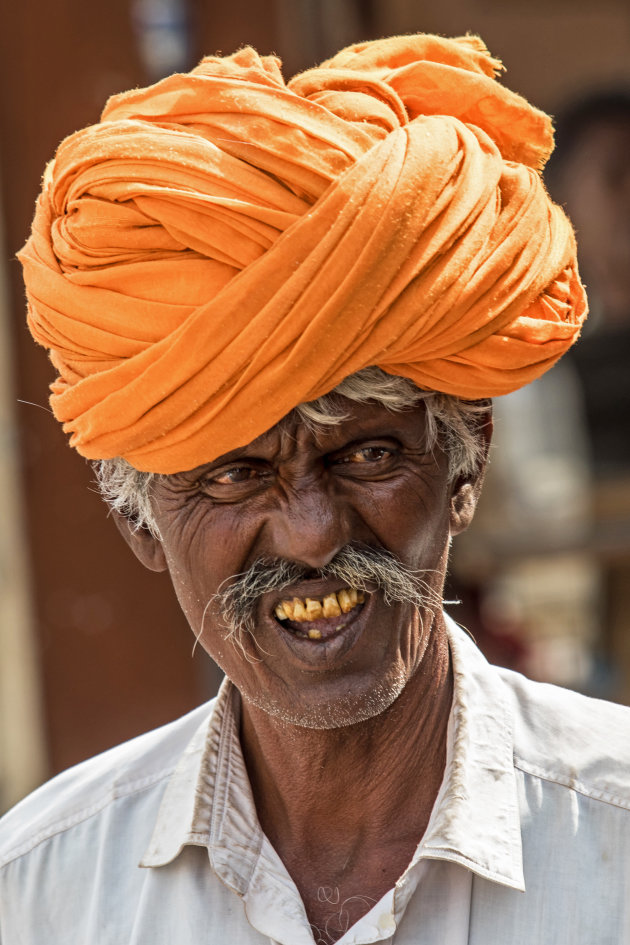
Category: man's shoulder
[571,739]
[84,791]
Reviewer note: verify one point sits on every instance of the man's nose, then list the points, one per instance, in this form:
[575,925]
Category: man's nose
[310,527]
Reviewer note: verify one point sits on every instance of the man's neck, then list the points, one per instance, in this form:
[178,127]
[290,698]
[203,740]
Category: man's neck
[345,808]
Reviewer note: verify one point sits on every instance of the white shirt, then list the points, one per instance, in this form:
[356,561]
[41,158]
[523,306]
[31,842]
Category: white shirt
[157,841]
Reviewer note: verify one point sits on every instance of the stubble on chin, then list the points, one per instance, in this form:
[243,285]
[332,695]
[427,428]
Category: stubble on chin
[337,712]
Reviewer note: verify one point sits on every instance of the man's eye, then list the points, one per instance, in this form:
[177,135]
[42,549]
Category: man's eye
[233,483]
[367,454]
[234,475]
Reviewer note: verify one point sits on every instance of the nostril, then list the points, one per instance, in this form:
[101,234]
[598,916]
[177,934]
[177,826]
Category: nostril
[314,574]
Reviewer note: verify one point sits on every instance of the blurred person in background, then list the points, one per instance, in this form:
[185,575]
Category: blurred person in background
[589,174]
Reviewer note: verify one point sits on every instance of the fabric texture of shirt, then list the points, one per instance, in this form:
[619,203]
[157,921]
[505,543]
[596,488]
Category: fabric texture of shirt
[157,841]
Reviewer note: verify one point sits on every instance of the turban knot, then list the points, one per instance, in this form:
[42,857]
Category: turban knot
[224,245]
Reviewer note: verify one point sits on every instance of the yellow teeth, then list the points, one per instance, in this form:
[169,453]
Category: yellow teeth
[311,608]
[299,610]
[331,606]
[314,634]
[345,600]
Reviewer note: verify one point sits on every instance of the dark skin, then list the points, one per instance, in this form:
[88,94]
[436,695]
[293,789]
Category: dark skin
[344,739]
[595,184]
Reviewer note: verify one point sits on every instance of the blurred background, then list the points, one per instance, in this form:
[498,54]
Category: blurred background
[93,648]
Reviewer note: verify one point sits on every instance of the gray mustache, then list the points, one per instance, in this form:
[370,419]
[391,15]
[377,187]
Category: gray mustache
[362,567]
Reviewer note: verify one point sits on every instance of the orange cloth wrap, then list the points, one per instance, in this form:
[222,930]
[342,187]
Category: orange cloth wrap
[224,246]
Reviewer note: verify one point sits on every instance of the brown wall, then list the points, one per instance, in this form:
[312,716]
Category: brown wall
[114,649]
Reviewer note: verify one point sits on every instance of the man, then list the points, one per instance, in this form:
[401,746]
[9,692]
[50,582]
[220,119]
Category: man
[590,174]
[277,314]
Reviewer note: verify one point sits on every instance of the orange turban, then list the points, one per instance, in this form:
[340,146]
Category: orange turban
[224,246]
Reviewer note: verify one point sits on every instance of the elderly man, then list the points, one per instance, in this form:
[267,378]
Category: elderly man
[277,312]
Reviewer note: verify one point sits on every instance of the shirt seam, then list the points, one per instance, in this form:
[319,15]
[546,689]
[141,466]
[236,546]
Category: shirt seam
[439,852]
[84,814]
[605,797]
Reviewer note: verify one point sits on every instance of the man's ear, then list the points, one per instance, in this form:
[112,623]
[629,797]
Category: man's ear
[467,488]
[145,546]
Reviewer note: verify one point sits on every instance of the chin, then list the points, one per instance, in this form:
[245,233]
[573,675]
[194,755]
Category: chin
[334,713]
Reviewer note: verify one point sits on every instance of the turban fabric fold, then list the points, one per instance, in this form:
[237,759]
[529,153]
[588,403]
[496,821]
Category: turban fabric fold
[224,245]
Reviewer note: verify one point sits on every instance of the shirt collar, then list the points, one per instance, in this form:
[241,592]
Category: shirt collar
[475,819]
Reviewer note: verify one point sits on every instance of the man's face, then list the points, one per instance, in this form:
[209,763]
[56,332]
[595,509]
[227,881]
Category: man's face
[302,496]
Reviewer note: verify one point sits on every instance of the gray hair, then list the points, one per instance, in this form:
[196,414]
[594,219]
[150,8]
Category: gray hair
[453,425]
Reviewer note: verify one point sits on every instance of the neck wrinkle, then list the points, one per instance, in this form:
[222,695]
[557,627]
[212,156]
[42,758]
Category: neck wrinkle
[358,782]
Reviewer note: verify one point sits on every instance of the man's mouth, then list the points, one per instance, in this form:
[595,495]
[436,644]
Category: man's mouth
[319,618]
